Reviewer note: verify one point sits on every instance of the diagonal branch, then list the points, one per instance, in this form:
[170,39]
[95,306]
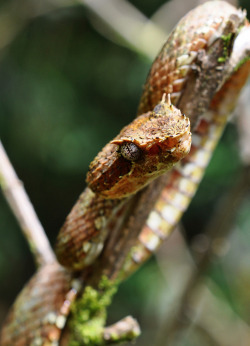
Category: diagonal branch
[127,22]
[24,212]
[122,331]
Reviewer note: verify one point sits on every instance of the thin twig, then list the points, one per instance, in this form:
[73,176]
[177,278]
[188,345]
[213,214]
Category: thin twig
[218,228]
[120,19]
[243,124]
[170,12]
[24,212]
[136,30]
[227,319]
[126,329]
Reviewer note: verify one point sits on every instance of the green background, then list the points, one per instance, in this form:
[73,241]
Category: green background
[65,91]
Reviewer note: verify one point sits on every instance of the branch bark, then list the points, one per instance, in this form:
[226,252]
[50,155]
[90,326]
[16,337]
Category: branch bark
[24,212]
[123,330]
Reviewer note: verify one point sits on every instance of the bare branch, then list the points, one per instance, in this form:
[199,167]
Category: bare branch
[137,31]
[24,212]
[119,20]
[218,229]
[170,12]
[243,122]
[125,330]
[209,304]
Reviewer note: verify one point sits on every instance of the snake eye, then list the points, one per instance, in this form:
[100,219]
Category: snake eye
[130,151]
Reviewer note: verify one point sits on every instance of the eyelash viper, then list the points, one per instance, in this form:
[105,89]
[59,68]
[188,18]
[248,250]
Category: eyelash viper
[200,69]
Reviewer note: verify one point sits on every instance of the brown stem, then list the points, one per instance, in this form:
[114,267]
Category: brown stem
[126,329]
[24,212]
[218,228]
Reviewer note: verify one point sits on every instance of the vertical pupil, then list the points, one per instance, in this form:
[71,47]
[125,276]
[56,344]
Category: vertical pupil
[130,151]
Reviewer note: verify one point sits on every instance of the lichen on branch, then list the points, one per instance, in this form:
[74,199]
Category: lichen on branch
[89,313]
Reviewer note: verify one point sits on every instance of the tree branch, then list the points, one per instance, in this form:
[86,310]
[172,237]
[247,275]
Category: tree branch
[24,212]
[126,329]
[125,20]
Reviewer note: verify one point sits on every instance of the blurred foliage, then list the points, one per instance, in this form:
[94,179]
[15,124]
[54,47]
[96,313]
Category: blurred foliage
[64,92]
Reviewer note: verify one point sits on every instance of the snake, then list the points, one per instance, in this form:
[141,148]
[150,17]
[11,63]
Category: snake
[191,89]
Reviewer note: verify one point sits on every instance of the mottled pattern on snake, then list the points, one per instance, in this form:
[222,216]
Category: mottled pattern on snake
[169,74]
[163,138]
[195,32]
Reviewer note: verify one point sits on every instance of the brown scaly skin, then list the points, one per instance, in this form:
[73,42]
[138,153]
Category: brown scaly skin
[30,319]
[160,138]
[193,35]
[110,173]
[171,73]
[181,183]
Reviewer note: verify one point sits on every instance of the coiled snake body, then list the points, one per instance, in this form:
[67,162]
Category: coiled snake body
[203,68]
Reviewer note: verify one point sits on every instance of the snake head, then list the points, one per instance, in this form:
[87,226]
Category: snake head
[145,149]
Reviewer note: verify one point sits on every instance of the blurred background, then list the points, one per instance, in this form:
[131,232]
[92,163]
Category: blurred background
[71,74]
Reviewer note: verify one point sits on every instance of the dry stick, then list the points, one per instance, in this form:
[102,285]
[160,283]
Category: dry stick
[243,124]
[207,336]
[233,326]
[136,30]
[125,329]
[24,212]
[122,331]
[219,227]
[113,14]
